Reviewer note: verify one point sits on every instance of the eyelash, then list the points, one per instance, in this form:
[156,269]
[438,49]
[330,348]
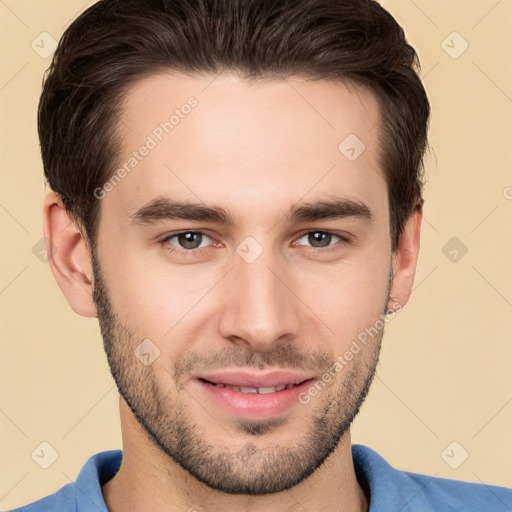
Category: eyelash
[343,241]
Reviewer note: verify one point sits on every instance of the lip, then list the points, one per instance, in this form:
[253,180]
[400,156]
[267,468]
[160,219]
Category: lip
[258,379]
[252,406]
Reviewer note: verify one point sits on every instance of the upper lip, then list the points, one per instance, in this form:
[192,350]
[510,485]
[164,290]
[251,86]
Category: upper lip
[259,379]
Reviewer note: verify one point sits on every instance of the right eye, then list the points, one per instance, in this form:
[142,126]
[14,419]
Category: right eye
[186,240]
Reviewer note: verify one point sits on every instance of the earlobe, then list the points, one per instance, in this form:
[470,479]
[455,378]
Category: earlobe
[405,259]
[69,256]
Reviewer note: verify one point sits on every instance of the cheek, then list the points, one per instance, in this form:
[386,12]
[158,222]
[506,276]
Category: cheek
[157,300]
[349,297]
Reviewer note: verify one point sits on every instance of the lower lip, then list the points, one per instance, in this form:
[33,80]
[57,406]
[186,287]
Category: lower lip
[253,405]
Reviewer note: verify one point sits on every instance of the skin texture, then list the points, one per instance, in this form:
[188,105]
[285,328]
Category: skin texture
[256,149]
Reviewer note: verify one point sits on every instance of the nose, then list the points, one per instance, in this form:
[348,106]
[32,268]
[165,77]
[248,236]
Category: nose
[258,305]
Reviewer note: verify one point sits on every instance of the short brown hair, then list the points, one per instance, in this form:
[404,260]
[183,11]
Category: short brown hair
[115,42]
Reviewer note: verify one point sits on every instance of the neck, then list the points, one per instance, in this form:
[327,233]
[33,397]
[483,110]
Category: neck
[149,480]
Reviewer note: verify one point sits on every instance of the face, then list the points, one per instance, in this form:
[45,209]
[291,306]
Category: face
[245,247]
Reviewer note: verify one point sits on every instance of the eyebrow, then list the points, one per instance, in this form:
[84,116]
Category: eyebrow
[165,208]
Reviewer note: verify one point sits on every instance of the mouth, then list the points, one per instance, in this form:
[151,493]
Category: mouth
[251,402]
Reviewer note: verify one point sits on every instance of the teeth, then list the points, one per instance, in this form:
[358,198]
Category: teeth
[261,391]
[264,391]
[250,390]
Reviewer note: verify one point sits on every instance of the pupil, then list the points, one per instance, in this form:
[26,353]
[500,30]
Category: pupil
[319,236]
[186,240]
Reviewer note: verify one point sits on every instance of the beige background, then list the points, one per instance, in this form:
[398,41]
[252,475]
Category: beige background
[446,366]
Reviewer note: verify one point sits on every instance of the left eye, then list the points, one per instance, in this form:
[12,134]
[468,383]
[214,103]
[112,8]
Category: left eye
[320,239]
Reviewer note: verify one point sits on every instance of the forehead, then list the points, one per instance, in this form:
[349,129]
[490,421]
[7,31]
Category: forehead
[244,143]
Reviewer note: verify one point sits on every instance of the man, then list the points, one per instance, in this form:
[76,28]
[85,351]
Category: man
[237,196]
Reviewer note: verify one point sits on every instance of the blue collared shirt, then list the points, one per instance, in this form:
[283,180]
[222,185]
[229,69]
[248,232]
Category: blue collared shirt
[391,490]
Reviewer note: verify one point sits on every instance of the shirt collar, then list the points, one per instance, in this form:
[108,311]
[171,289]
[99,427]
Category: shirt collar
[98,470]
[389,489]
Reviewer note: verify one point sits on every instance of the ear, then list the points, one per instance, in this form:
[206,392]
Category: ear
[68,255]
[404,260]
